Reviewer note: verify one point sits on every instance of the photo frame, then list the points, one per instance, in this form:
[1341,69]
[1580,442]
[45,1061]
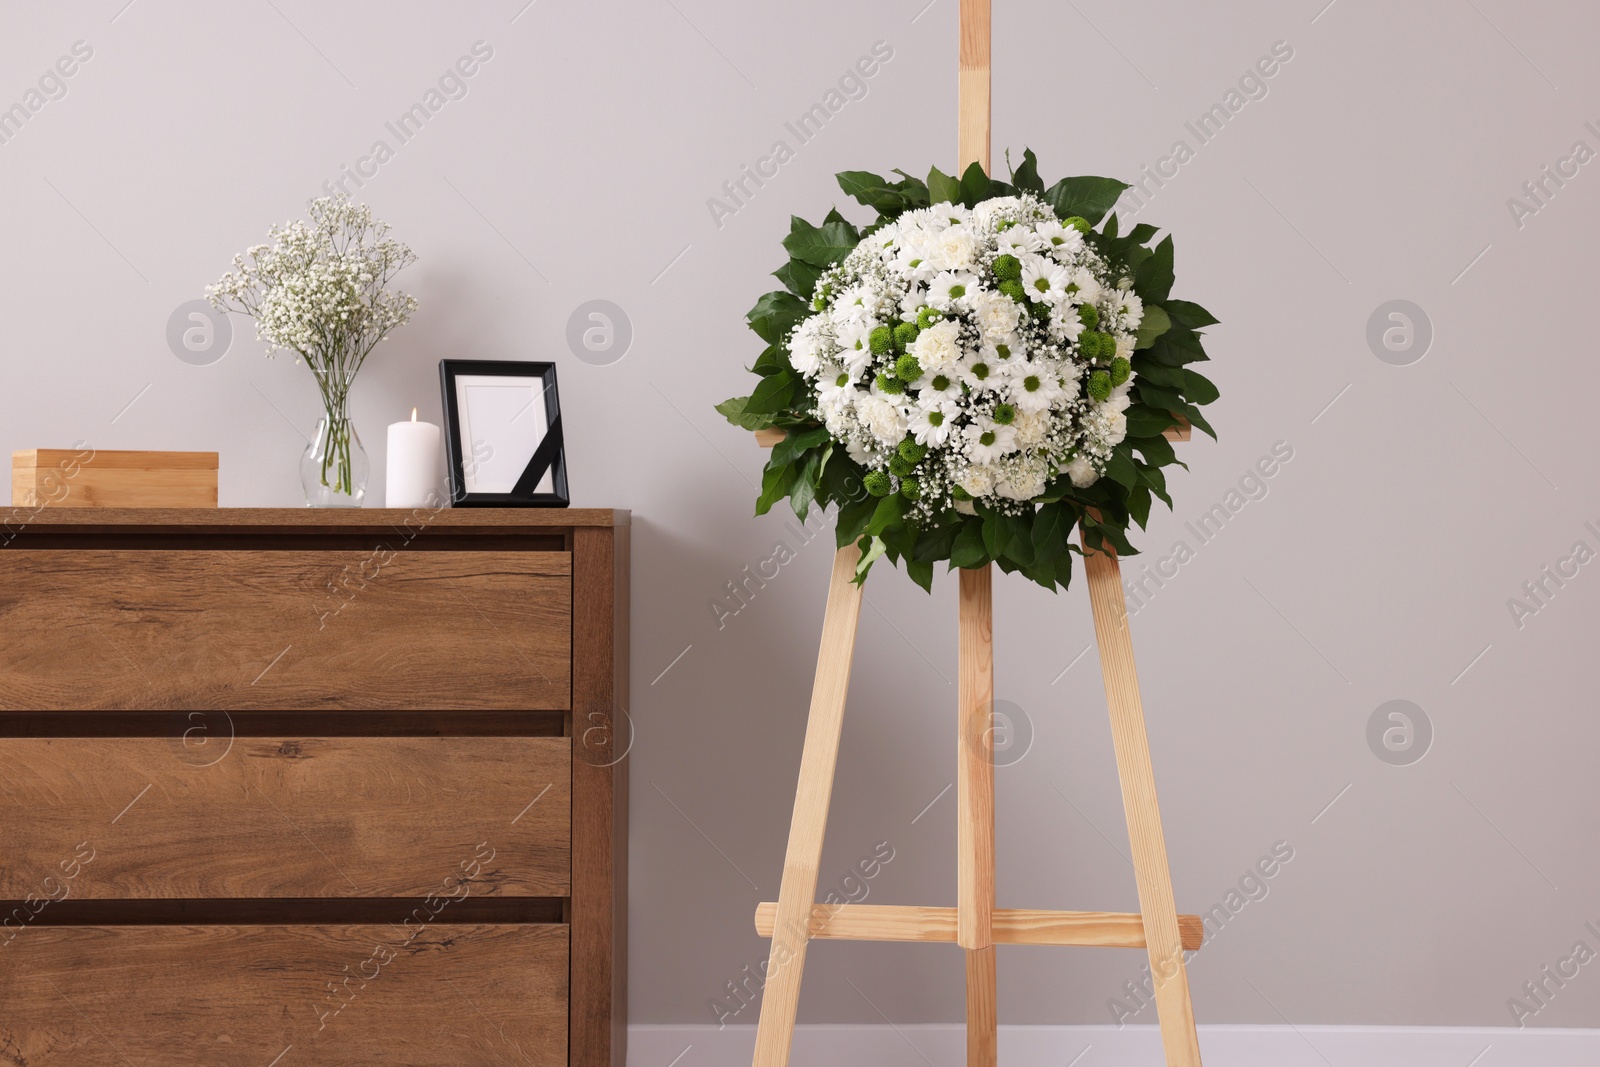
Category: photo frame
[503,437]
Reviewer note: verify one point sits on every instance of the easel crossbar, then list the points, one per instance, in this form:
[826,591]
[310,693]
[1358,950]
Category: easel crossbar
[1012,926]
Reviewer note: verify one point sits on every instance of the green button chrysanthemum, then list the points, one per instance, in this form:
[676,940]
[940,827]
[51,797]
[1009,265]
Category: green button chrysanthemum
[912,451]
[1007,267]
[907,369]
[880,340]
[878,483]
[1099,385]
[1120,369]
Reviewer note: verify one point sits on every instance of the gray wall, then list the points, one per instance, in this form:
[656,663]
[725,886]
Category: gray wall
[1377,567]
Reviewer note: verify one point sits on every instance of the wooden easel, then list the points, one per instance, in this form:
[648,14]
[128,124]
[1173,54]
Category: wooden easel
[975,923]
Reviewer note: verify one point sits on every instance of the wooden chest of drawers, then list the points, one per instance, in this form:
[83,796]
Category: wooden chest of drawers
[302,788]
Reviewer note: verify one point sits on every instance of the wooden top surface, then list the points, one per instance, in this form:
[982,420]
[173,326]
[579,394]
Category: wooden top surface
[321,520]
[114,458]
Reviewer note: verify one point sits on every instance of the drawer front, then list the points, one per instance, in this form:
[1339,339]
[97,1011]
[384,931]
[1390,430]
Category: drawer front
[140,818]
[205,629]
[298,996]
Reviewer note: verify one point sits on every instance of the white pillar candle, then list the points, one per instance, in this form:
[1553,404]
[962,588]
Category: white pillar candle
[415,475]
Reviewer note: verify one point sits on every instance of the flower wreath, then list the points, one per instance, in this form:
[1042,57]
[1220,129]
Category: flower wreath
[977,373]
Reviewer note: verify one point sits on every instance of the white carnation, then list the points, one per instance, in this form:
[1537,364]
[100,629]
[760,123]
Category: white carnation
[885,420]
[938,348]
[1081,471]
[977,479]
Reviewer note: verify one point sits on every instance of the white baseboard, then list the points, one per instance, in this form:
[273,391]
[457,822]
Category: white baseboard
[1131,1046]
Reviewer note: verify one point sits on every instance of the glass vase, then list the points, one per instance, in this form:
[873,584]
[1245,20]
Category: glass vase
[333,470]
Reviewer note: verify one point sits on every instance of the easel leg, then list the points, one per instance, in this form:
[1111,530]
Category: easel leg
[797,895]
[1150,869]
[975,812]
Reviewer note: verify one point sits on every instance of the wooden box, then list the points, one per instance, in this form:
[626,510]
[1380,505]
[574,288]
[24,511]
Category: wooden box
[90,478]
[313,787]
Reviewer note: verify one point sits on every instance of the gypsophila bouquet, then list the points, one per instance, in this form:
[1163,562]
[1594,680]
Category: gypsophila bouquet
[322,291]
[977,373]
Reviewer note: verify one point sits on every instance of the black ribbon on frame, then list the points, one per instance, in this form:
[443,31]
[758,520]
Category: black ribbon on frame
[543,457]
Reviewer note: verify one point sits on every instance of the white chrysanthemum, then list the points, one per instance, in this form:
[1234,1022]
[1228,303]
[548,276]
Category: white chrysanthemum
[1044,280]
[882,418]
[931,424]
[831,380]
[1129,308]
[938,348]
[1065,325]
[1034,387]
[1063,241]
[986,440]
[1080,469]
[980,375]
[950,286]
[1125,343]
[942,385]
[945,214]
[1019,241]
[1085,288]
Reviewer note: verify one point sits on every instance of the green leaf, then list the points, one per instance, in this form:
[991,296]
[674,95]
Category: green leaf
[1187,313]
[804,490]
[772,359]
[1198,388]
[968,550]
[799,278]
[1120,468]
[921,572]
[1148,368]
[1142,233]
[889,511]
[974,185]
[853,519]
[1052,531]
[1192,413]
[915,190]
[775,314]
[1139,505]
[1064,569]
[942,188]
[871,190]
[821,246]
[776,481]
[874,550]
[1152,325]
[775,393]
[1147,421]
[1026,177]
[733,409]
[1086,196]
[1153,282]
[936,544]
